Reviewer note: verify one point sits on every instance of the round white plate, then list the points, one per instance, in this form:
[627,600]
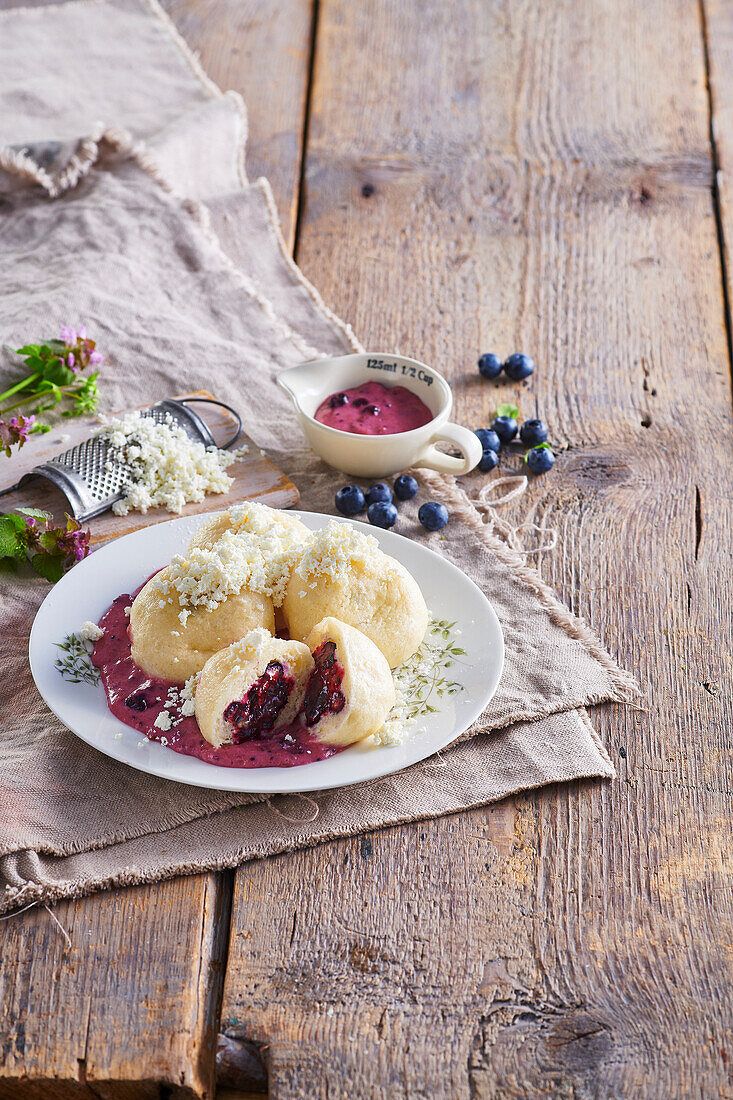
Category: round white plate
[89,588]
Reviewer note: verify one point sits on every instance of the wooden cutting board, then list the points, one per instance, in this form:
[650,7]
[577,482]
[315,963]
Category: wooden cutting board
[255,477]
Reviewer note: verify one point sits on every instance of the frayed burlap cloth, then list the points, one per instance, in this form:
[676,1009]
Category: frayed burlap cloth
[124,204]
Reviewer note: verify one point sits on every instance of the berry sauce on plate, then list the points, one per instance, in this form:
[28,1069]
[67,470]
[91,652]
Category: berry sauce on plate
[373,409]
[137,699]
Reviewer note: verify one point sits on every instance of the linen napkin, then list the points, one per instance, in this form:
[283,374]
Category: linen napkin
[124,204]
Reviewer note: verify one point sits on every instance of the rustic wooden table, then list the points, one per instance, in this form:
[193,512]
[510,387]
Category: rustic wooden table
[458,177]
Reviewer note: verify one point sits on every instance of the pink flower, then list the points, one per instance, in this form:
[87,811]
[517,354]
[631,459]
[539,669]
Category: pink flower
[15,432]
[75,544]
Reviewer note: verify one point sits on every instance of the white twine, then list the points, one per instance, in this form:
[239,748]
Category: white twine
[483,501]
[543,531]
[297,820]
[51,914]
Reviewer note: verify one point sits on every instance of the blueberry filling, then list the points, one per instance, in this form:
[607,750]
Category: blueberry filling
[257,712]
[373,409]
[323,694]
[339,399]
[137,701]
[359,402]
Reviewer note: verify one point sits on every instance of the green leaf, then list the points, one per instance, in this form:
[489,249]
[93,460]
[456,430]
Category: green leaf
[508,410]
[11,546]
[57,372]
[28,349]
[36,513]
[539,447]
[458,652]
[40,429]
[48,566]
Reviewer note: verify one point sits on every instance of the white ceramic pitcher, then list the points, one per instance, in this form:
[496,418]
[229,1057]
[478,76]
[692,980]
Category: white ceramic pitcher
[310,383]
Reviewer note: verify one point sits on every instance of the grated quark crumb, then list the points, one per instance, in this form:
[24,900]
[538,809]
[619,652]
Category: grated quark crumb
[167,468]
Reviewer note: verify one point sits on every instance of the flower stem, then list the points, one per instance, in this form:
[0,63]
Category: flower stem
[64,390]
[18,386]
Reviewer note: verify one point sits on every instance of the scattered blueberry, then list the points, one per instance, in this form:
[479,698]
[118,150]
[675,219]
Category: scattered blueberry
[489,440]
[350,500]
[540,459]
[533,432]
[518,366]
[432,515]
[490,365]
[338,399]
[373,409]
[489,460]
[382,514]
[405,487]
[505,427]
[378,492]
[359,402]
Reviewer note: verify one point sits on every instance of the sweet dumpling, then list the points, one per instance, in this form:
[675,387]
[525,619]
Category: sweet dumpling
[342,573]
[172,645]
[350,691]
[251,687]
[253,519]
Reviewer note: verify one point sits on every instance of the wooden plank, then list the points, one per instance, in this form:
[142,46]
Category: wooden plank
[255,477]
[130,1011]
[131,1004]
[260,48]
[718,30]
[482,177]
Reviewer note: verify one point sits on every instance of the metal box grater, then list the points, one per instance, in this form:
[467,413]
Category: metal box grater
[83,475]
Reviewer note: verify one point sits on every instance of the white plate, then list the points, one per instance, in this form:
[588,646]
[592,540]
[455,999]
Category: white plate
[89,588]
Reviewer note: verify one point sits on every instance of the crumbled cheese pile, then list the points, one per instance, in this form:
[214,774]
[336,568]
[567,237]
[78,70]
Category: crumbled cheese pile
[250,646]
[334,551]
[205,578]
[90,632]
[397,719]
[167,468]
[260,519]
[260,560]
[179,704]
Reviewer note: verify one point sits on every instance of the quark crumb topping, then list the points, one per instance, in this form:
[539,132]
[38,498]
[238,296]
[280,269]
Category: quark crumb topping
[168,469]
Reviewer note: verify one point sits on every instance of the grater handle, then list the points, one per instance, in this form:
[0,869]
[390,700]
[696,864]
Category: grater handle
[221,405]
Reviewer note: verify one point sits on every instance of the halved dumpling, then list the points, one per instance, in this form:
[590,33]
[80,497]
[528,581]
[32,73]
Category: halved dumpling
[376,595]
[350,691]
[251,518]
[251,687]
[165,647]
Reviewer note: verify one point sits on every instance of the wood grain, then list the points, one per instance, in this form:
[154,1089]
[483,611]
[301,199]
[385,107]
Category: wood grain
[718,28]
[493,177]
[130,1012]
[260,48]
[131,1005]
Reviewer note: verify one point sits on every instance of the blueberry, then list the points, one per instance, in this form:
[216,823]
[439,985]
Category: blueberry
[405,487]
[518,366]
[432,515]
[350,500]
[540,460]
[489,440]
[374,410]
[378,492]
[338,399]
[360,402]
[382,514]
[533,432]
[505,427]
[489,460]
[490,365]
